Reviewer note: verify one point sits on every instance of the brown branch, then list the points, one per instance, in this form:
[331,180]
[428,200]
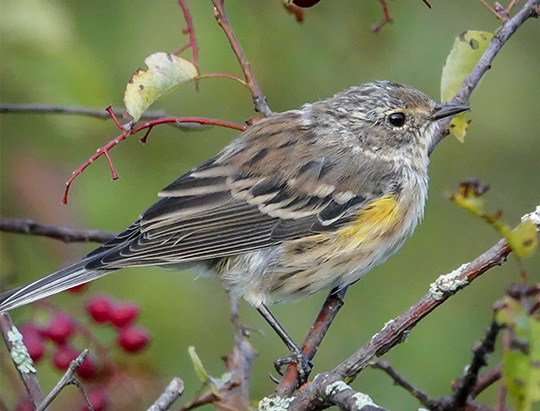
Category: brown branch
[329,310]
[173,391]
[259,100]
[21,359]
[329,390]
[68,379]
[395,331]
[529,10]
[65,234]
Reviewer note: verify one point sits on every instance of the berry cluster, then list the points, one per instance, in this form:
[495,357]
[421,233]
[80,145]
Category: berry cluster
[59,338]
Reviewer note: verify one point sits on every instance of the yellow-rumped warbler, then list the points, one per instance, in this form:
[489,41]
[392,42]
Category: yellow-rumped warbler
[302,201]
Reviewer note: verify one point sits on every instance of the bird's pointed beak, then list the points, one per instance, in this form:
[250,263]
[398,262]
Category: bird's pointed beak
[447,109]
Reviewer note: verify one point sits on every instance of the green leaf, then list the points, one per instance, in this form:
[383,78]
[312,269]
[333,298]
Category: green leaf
[467,49]
[165,73]
[198,366]
[521,367]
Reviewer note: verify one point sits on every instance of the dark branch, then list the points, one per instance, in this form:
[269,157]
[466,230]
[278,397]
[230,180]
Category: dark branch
[467,383]
[65,234]
[402,382]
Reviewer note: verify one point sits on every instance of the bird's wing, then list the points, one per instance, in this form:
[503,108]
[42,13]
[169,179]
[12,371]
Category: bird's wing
[236,203]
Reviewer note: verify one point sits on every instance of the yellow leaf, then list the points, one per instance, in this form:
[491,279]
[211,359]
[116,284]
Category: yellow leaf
[523,239]
[165,72]
[466,51]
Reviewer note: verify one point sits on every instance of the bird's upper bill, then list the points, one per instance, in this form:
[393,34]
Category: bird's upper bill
[443,110]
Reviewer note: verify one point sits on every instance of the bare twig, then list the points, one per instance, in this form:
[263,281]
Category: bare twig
[259,100]
[73,110]
[173,391]
[402,382]
[529,10]
[487,380]
[329,310]
[189,30]
[21,359]
[65,234]
[467,383]
[67,379]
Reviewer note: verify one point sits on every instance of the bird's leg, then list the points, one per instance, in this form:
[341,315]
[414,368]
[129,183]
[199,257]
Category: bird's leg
[303,364]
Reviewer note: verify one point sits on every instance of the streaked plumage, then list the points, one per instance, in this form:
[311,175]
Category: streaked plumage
[302,201]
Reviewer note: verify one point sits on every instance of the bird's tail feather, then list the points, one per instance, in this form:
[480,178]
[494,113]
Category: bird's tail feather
[54,283]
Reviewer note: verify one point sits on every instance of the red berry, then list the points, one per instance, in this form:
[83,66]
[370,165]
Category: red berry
[124,314]
[81,288]
[24,404]
[31,328]
[63,356]
[305,3]
[100,309]
[33,340]
[133,339]
[35,346]
[88,368]
[98,399]
[60,328]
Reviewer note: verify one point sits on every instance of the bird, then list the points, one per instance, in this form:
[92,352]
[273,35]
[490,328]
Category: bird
[302,201]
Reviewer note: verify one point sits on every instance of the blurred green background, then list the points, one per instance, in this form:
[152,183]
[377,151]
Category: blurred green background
[83,52]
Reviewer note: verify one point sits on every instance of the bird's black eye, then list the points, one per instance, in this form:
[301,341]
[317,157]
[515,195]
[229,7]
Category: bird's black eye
[397,119]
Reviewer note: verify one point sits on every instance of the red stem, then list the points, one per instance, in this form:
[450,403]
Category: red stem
[147,125]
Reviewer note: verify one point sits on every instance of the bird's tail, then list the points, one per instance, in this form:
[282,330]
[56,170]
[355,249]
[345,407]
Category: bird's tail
[56,282]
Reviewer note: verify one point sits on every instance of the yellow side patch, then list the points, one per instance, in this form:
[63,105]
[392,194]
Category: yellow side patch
[375,220]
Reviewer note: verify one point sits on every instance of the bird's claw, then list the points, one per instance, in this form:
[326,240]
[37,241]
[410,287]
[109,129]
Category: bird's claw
[303,365]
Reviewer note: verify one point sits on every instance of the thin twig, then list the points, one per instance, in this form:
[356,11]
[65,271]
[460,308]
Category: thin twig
[65,234]
[189,30]
[21,358]
[99,113]
[259,100]
[467,383]
[173,391]
[486,380]
[67,379]
[402,382]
